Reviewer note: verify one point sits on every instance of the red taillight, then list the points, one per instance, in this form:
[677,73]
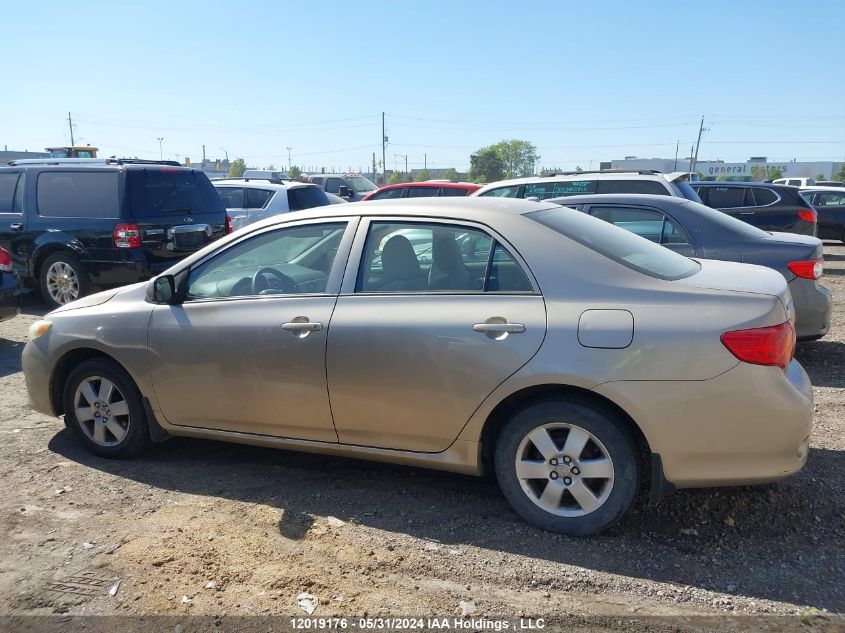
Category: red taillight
[5,261]
[808,269]
[126,236]
[808,214]
[773,345]
[229,228]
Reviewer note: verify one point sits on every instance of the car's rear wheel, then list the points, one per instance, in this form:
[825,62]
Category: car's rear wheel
[103,408]
[567,466]
[63,279]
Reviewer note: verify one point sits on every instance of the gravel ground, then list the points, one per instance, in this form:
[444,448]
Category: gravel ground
[197,527]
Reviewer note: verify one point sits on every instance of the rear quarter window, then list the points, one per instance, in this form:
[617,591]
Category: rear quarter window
[300,198]
[76,194]
[633,186]
[764,196]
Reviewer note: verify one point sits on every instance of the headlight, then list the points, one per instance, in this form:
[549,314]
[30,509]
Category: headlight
[39,328]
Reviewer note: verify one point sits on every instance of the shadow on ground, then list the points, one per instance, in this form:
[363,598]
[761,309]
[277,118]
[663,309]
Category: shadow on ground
[777,542]
[824,362]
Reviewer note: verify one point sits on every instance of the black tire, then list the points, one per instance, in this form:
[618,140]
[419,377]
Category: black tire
[70,260]
[137,436]
[601,423]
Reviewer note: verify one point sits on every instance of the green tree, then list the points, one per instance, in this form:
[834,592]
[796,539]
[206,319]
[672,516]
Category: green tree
[758,173]
[237,168]
[486,166]
[451,174]
[721,177]
[578,169]
[422,175]
[819,176]
[773,173]
[395,178]
[840,175]
[270,167]
[518,157]
[295,172]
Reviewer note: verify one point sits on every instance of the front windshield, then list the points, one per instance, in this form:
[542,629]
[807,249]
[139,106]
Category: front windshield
[361,184]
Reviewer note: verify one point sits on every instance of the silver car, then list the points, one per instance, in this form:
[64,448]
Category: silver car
[578,361]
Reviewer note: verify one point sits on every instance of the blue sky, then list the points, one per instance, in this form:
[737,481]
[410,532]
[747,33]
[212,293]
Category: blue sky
[584,81]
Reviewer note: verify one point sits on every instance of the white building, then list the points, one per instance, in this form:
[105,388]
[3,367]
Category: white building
[713,169]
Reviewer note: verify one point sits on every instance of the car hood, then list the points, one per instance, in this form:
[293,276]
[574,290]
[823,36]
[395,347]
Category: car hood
[100,297]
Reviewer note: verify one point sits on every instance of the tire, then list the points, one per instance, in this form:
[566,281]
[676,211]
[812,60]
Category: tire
[63,279]
[119,428]
[611,492]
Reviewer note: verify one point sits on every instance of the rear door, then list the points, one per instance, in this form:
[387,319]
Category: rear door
[423,332]
[177,211]
[234,200]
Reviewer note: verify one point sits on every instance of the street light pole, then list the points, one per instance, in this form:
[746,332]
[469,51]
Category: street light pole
[226,154]
[288,149]
[160,155]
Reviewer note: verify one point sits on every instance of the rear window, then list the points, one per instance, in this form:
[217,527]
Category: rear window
[306,198]
[76,194]
[687,191]
[764,196]
[620,245]
[454,191]
[170,191]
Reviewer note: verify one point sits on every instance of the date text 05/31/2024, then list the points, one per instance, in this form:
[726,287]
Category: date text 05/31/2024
[409,624]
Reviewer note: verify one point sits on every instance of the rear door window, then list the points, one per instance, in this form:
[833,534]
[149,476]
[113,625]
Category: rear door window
[726,197]
[389,194]
[8,186]
[651,224]
[633,186]
[257,198]
[825,199]
[171,191]
[453,191]
[76,194]
[502,192]
[423,192]
[233,197]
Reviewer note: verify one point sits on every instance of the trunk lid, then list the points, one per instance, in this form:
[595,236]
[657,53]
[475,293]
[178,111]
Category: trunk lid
[177,210]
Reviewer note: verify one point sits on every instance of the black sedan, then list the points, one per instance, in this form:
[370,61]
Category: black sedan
[10,288]
[695,230]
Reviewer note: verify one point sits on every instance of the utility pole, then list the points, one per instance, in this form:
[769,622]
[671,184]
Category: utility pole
[375,177]
[288,149]
[691,149]
[697,144]
[383,153]
[425,161]
[677,145]
[160,155]
[70,125]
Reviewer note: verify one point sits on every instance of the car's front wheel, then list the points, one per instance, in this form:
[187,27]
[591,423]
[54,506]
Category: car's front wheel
[567,466]
[103,408]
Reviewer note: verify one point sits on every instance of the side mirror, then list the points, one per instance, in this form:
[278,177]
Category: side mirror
[163,289]
[343,191]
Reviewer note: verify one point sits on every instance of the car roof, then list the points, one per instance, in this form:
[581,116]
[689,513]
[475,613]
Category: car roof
[831,188]
[472,209]
[262,183]
[433,184]
[590,175]
[627,198]
[733,183]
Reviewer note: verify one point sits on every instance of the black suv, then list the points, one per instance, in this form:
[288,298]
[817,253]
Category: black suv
[74,224]
[766,206]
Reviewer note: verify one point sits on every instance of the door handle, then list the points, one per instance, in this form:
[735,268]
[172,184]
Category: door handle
[499,328]
[302,327]
[16,226]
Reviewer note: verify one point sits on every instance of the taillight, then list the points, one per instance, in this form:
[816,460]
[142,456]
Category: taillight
[229,228]
[808,269]
[808,214]
[5,261]
[126,236]
[772,345]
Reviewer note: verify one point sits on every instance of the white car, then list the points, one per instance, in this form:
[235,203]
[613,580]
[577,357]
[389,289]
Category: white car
[248,200]
[795,182]
[561,184]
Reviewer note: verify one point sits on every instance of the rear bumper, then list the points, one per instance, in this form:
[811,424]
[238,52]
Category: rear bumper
[749,425]
[10,296]
[813,305]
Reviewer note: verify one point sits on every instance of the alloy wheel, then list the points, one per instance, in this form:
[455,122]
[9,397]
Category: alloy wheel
[101,411]
[564,469]
[62,283]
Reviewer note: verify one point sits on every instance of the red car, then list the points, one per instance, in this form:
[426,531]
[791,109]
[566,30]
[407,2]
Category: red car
[427,189]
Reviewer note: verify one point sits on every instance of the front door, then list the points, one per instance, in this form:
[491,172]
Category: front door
[439,316]
[245,350]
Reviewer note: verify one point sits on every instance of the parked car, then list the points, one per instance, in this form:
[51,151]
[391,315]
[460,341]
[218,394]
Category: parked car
[266,174]
[829,183]
[249,200]
[10,288]
[767,206]
[694,230]
[795,182]
[74,224]
[351,187]
[829,203]
[558,184]
[578,361]
[427,189]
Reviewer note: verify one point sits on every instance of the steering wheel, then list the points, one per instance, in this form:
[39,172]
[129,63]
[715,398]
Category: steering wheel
[259,283]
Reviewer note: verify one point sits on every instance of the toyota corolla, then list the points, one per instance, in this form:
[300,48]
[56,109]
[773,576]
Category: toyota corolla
[578,361]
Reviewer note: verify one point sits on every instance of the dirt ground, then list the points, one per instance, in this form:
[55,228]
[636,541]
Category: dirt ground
[197,527]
